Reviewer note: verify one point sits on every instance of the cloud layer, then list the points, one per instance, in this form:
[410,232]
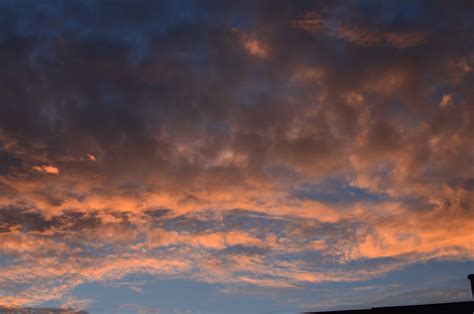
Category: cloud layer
[274,144]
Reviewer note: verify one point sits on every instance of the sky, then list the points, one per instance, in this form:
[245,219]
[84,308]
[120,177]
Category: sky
[235,156]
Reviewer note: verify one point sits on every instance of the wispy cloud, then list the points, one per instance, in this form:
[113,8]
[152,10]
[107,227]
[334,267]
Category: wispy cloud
[47,169]
[359,35]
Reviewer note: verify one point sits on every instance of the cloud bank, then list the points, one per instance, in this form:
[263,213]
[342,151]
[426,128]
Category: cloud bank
[271,144]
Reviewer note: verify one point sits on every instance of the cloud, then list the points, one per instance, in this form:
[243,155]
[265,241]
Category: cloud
[446,101]
[359,35]
[268,146]
[91,157]
[255,47]
[49,169]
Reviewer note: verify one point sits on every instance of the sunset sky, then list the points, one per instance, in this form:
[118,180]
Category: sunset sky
[235,156]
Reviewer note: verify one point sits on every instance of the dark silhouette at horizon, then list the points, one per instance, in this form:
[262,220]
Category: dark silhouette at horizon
[466,307]
[471,279]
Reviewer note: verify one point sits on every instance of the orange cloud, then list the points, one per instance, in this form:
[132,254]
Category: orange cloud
[239,172]
[446,101]
[255,47]
[47,169]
